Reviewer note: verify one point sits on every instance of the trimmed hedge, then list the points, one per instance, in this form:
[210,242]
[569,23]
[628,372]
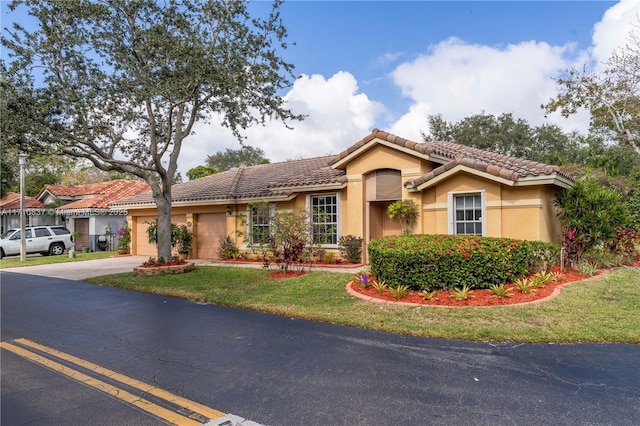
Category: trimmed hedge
[429,262]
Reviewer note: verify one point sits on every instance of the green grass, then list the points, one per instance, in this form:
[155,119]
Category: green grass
[45,260]
[601,310]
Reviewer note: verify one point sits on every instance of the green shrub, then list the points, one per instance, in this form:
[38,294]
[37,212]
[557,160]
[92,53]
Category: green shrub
[591,213]
[228,249]
[350,248]
[429,262]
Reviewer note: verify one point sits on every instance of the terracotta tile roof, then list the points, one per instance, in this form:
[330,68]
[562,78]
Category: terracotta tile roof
[12,202]
[253,182]
[282,179]
[450,154]
[98,195]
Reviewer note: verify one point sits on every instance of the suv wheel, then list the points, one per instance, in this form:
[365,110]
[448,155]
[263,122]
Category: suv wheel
[56,249]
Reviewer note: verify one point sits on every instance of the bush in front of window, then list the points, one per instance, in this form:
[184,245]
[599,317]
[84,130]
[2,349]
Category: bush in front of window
[431,262]
[350,248]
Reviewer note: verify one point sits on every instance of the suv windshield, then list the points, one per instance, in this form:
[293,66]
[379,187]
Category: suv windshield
[7,233]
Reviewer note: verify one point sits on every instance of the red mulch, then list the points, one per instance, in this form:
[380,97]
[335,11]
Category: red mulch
[480,297]
[155,263]
[289,274]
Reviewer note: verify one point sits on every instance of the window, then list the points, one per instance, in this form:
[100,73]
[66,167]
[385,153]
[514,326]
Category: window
[59,230]
[467,213]
[16,236]
[42,232]
[324,218]
[260,218]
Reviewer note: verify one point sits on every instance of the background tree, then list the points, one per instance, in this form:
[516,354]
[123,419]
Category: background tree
[122,83]
[233,158]
[612,97]
[506,135]
[199,172]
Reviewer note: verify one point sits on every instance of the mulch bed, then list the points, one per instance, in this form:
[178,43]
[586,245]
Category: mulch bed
[480,297]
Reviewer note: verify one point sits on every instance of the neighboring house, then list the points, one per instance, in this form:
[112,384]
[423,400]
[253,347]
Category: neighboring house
[85,209]
[460,190]
[35,213]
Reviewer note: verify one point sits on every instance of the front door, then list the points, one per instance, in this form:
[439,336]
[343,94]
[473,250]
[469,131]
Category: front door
[379,223]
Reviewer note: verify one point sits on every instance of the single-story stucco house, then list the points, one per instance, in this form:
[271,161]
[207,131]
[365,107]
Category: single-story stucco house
[460,190]
[35,212]
[84,209]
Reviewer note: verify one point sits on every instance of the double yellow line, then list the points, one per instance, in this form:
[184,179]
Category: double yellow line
[186,412]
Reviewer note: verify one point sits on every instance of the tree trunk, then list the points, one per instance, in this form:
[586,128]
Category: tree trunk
[163,203]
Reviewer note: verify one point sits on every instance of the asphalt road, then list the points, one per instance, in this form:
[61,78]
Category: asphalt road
[281,371]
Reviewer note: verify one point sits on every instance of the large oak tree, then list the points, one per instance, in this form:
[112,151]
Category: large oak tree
[121,83]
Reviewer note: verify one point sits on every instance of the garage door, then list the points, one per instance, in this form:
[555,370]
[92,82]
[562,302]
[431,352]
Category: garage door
[143,247]
[211,227]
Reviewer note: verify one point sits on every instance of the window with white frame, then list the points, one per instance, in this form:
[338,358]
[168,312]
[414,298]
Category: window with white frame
[323,214]
[260,216]
[467,213]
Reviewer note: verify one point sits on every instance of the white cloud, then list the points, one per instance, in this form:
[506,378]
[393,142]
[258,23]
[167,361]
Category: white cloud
[454,78]
[612,31]
[458,79]
[337,117]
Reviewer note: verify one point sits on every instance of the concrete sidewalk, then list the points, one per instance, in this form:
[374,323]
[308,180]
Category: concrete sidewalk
[92,268]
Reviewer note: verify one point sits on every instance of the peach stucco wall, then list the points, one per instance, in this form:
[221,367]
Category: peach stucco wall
[522,212]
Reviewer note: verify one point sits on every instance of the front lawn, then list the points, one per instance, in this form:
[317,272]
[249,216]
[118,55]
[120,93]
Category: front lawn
[601,310]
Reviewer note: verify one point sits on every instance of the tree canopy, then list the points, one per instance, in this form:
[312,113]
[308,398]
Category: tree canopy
[233,158]
[199,172]
[612,97]
[506,135]
[122,83]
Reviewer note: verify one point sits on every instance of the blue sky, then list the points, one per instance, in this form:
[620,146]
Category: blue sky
[389,64]
[369,39]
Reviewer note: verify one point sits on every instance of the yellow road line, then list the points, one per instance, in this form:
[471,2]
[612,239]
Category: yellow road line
[203,410]
[134,400]
[209,413]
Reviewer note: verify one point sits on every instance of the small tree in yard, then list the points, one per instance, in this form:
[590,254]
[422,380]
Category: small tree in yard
[123,83]
[285,239]
[406,212]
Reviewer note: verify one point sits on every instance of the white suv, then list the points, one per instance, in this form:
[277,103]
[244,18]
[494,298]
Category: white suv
[45,240]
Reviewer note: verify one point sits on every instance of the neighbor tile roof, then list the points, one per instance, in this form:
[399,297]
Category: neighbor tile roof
[451,154]
[253,182]
[12,202]
[98,195]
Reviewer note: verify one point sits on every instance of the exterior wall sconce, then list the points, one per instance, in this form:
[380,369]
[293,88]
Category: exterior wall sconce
[229,211]
[189,223]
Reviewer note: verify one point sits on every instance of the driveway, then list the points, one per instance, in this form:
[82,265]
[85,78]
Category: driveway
[93,268]
[81,270]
